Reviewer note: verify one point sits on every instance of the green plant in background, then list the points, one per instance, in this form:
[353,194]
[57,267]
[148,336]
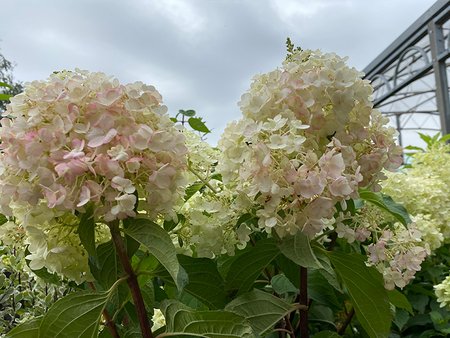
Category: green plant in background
[23,295]
[8,87]
[423,186]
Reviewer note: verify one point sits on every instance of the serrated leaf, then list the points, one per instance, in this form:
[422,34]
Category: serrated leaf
[366,291]
[159,244]
[298,249]
[86,231]
[320,290]
[399,300]
[76,315]
[105,266]
[197,124]
[261,309]
[184,321]
[28,329]
[205,282]
[387,203]
[248,266]
[282,285]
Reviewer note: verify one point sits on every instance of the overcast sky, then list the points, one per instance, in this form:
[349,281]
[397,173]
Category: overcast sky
[200,54]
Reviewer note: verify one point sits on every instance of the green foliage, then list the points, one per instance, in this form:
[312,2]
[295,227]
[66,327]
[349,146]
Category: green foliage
[249,265]
[182,320]
[76,315]
[367,294]
[205,282]
[261,309]
[158,242]
[386,203]
[298,249]
[8,87]
[24,295]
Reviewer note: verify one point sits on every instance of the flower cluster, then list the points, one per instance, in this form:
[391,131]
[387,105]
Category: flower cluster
[307,140]
[83,139]
[210,215]
[398,254]
[424,189]
[397,251]
[443,292]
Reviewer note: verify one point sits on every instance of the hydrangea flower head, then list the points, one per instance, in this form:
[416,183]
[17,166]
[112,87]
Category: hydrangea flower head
[308,139]
[81,139]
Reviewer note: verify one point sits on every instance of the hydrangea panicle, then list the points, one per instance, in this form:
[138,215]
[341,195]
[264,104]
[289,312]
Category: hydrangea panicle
[307,140]
[83,138]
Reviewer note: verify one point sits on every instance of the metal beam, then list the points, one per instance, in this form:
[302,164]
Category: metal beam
[437,43]
[408,38]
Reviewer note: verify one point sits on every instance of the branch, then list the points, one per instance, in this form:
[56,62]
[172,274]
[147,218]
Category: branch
[347,321]
[131,280]
[109,323]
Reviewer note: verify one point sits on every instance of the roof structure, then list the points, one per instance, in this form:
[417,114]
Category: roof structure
[411,77]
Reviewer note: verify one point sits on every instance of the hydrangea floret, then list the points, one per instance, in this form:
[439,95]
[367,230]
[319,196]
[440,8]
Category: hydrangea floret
[81,139]
[309,138]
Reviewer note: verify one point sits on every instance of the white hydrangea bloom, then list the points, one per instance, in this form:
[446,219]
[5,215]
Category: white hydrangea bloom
[442,291]
[82,139]
[308,139]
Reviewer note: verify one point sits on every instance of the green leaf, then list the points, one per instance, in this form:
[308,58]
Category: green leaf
[320,290]
[159,244]
[3,219]
[444,138]
[282,285]
[86,231]
[426,138]
[28,329]
[131,244]
[205,282]
[385,202]
[413,148]
[399,300]
[248,266]
[197,124]
[298,249]
[3,84]
[365,288]
[5,97]
[192,189]
[184,321]
[104,267]
[188,113]
[261,309]
[174,119]
[76,315]
[326,334]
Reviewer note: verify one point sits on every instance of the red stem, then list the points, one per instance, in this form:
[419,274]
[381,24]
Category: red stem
[304,332]
[131,280]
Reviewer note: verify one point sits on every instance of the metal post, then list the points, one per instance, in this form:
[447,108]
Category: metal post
[437,45]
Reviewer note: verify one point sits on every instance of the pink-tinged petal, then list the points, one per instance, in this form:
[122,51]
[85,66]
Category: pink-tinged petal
[108,98]
[85,196]
[103,139]
[55,196]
